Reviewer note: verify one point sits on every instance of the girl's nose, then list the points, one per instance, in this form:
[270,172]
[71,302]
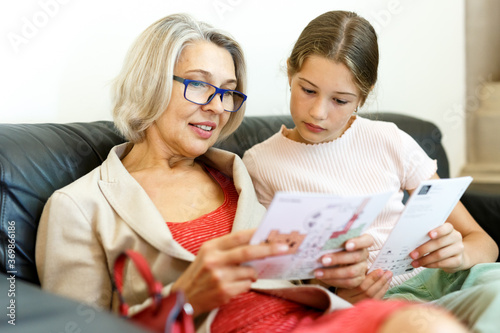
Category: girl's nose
[319,110]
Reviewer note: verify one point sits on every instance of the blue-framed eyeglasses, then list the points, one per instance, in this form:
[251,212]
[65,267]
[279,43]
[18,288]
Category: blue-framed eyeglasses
[201,93]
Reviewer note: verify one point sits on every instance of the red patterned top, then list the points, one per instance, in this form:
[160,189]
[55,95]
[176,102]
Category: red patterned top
[248,312]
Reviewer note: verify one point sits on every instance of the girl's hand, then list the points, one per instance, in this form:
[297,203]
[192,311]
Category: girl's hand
[346,269]
[216,276]
[445,250]
[375,285]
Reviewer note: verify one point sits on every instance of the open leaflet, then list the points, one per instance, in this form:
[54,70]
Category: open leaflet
[316,224]
[312,225]
[427,208]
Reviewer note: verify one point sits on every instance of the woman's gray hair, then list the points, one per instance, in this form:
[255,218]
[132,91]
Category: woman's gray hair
[143,88]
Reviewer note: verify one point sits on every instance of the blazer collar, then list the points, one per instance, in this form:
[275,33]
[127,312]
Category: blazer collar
[250,211]
[134,206]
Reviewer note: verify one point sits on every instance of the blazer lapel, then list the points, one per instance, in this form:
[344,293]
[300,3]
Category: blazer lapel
[250,212]
[134,206]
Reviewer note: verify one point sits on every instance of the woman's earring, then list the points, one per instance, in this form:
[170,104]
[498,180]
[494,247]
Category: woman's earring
[355,111]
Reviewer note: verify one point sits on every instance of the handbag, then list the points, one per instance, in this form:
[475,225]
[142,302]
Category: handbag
[164,314]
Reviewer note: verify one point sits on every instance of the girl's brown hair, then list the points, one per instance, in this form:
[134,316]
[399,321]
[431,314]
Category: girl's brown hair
[345,38]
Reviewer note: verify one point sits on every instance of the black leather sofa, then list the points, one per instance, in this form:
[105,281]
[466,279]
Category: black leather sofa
[37,159]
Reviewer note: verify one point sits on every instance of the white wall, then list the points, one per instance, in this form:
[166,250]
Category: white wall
[58,56]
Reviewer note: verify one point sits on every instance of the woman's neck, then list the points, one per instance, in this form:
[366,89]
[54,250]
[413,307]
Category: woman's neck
[148,155]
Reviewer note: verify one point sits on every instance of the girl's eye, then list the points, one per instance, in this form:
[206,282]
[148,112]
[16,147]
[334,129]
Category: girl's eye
[308,91]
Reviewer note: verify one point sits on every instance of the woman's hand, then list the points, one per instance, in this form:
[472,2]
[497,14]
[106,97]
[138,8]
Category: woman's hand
[375,285]
[444,250]
[216,276]
[346,269]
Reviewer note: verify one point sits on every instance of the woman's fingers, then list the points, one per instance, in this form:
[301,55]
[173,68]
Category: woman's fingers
[217,288]
[252,252]
[216,275]
[230,240]
[233,249]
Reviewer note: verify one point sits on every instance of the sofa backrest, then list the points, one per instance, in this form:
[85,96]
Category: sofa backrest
[37,159]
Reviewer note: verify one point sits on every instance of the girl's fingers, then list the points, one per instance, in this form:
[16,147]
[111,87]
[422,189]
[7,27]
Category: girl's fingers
[447,257]
[359,243]
[441,240]
[376,283]
[344,258]
[349,276]
[450,264]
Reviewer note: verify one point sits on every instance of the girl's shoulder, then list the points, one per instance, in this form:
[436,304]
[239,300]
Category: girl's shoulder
[373,129]
[383,135]
[270,144]
[375,125]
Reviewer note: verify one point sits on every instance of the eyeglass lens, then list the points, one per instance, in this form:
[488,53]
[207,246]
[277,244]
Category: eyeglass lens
[199,92]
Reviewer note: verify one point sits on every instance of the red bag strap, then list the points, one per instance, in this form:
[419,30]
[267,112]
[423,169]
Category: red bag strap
[154,287]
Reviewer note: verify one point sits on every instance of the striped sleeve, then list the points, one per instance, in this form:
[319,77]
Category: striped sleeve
[418,166]
[263,190]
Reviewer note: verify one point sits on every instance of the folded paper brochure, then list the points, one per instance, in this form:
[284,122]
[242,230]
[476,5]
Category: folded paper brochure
[315,224]
[312,225]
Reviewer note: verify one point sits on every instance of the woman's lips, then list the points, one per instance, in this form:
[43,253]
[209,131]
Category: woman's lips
[314,128]
[204,129]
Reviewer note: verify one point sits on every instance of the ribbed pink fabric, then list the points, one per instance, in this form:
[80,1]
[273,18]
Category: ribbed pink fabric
[370,157]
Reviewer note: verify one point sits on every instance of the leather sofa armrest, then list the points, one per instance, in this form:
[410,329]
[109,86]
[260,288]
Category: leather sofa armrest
[485,208]
[27,308]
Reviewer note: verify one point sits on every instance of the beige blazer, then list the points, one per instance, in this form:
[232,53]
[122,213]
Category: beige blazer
[87,224]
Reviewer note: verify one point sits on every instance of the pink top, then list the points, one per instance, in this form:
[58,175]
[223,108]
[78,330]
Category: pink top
[370,157]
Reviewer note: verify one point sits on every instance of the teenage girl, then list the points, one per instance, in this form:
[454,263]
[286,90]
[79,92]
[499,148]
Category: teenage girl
[331,71]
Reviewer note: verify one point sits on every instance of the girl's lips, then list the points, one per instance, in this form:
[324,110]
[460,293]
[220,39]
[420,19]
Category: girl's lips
[314,128]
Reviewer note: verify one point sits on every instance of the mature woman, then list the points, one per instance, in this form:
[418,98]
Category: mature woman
[188,208]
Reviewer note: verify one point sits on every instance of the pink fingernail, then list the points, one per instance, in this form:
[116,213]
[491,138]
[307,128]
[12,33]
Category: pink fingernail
[326,261]
[283,248]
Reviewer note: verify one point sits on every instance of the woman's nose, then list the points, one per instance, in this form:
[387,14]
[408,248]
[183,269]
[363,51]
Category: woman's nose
[215,105]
